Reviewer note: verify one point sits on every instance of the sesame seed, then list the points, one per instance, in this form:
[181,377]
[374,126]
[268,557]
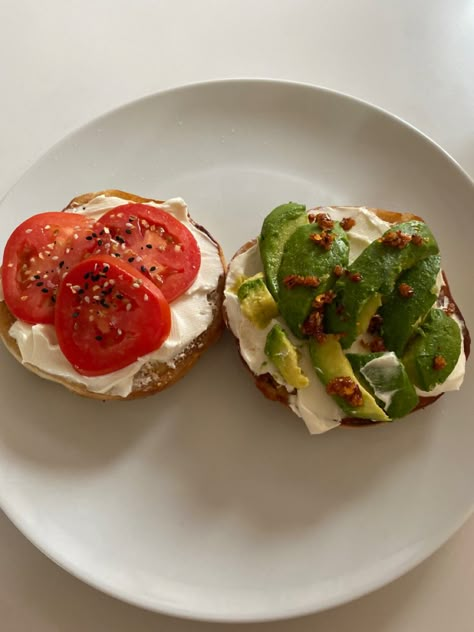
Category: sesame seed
[24,298]
[129,307]
[119,331]
[145,297]
[76,236]
[29,230]
[10,265]
[55,257]
[47,227]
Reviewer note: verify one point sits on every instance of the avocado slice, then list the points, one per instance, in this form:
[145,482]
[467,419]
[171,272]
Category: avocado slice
[376,269]
[329,363]
[276,229]
[402,315]
[384,375]
[280,350]
[432,355]
[301,256]
[256,302]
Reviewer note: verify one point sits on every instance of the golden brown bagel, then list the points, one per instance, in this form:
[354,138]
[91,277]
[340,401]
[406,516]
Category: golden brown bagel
[153,376]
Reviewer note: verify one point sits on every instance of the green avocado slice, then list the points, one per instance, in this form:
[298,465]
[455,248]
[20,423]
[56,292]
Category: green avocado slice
[385,377]
[282,352]
[301,256]
[376,271]
[330,363]
[276,229]
[402,315]
[256,302]
[432,355]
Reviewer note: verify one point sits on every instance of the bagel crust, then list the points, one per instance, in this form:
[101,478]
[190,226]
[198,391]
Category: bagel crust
[153,376]
[279,393]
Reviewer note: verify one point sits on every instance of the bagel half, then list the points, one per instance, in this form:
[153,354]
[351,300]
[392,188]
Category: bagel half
[153,376]
[275,391]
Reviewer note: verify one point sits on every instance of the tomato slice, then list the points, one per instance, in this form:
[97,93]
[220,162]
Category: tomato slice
[157,244]
[39,252]
[108,315]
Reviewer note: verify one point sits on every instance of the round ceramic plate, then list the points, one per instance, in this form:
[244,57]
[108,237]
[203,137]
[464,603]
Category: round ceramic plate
[207,500]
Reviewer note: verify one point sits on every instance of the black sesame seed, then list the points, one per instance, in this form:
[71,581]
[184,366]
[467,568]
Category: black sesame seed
[60,264]
[75,314]
[102,232]
[95,277]
[89,238]
[149,246]
[98,337]
[128,231]
[45,289]
[143,268]
[119,296]
[153,268]
[53,299]
[40,283]
[99,242]
[116,254]
[131,259]
[87,275]
[81,291]
[94,235]
[37,276]
[104,304]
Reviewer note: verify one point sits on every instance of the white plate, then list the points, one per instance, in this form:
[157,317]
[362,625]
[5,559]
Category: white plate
[209,501]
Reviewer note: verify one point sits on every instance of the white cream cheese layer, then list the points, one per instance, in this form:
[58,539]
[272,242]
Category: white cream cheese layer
[191,314]
[318,410]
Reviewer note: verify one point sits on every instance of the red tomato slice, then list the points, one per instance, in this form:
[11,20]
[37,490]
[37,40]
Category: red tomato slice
[107,315]
[157,244]
[38,254]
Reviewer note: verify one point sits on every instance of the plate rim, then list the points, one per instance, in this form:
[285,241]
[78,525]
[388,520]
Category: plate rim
[375,581]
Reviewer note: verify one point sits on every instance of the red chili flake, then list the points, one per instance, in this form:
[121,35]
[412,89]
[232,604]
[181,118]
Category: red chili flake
[451,309]
[375,325]
[338,270]
[324,299]
[323,239]
[405,290]
[323,220]
[292,280]
[396,239]
[313,326]
[439,362]
[356,277]
[346,388]
[417,240]
[347,223]
[377,344]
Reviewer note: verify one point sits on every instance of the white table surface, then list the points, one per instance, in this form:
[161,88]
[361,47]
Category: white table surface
[63,63]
